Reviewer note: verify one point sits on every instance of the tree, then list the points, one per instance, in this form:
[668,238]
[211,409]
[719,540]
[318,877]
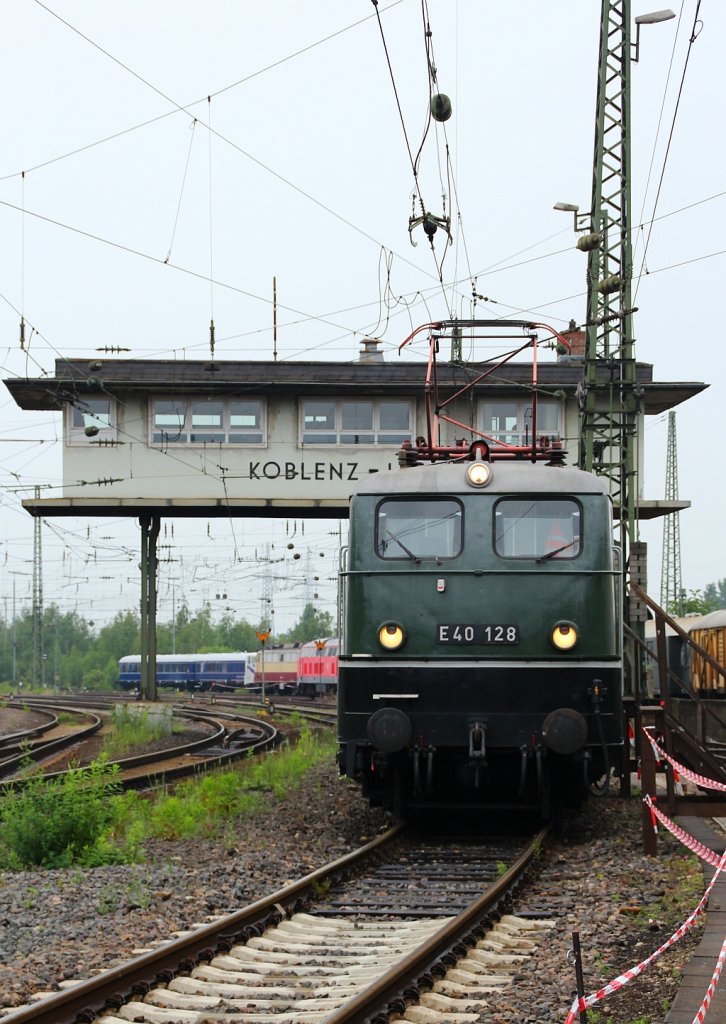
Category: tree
[197,633]
[236,635]
[121,636]
[76,658]
[700,602]
[715,595]
[313,624]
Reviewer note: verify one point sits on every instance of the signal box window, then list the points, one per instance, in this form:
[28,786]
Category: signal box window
[509,421]
[245,422]
[419,529]
[394,422]
[169,420]
[319,423]
[207,422]
[539,528]
[211,421]
[356,423]
[350,422]
[91,420]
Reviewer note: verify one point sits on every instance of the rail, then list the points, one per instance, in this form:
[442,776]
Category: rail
[87,999]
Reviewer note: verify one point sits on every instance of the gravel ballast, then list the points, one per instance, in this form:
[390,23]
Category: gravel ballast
[593,879]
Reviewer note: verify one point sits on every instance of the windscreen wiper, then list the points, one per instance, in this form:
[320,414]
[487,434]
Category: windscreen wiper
[401,545]
[551,554]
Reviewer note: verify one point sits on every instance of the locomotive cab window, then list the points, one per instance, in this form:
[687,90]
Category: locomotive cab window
[539,528]
[419,529]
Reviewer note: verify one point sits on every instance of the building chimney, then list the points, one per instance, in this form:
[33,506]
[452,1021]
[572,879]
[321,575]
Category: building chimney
[577,339]
[369,351]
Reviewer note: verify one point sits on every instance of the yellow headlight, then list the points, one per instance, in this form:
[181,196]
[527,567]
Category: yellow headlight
[391,636]
[479,474]
[564,636]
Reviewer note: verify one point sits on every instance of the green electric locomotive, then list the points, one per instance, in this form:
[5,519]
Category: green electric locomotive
[481,651]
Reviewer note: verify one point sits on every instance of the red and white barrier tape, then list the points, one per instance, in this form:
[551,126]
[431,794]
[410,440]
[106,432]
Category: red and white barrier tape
[585,1002]
[704,852]
[703,1008]
[686,773]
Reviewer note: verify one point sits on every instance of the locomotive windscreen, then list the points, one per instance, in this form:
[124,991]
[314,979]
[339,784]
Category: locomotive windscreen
[417,528]
[540,528]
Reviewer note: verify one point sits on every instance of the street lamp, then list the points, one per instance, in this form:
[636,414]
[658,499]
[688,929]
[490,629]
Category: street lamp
[577,217]
[581,222]
[654,18]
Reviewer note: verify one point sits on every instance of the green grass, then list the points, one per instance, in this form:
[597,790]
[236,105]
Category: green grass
[205,807]
[83,819]
[131,730]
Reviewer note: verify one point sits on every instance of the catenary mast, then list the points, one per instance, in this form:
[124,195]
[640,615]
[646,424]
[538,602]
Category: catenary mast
[671,580]
[609,397]
[609,394]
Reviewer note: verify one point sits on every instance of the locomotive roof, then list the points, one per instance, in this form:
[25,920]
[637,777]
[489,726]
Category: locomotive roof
[506,477]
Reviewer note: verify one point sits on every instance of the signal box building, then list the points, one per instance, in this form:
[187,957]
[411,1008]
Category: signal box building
[163,438]
[186,438]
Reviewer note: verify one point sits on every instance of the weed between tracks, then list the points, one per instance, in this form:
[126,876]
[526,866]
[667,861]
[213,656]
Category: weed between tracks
[131,731]
[84,819]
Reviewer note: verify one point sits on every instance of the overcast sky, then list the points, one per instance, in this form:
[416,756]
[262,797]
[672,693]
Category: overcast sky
[134,224]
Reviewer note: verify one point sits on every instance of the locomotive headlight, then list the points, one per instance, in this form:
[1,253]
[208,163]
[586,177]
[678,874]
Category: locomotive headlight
[391,636]
[564,636]
[479,474]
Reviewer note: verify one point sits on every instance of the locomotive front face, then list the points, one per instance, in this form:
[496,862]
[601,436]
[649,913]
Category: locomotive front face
[481,631]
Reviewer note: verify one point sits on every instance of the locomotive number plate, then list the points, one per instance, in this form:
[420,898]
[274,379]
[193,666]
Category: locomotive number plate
[480,633]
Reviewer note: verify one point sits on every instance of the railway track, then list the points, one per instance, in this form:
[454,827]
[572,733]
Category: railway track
[231,736]
[406,925]
[32,744]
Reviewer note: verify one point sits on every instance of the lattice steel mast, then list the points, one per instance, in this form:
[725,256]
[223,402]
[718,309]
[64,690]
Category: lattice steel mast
[610,396]
[671,581]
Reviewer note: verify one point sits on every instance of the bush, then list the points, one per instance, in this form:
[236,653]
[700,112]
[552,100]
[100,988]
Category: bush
[61,822]
[83,819]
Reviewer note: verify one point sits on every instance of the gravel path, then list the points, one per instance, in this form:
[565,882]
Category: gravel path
[62,924]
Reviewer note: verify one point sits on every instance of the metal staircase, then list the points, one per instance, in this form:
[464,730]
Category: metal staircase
[696,740]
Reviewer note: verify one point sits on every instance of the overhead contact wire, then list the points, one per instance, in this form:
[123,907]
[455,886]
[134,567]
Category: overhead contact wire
[695,32]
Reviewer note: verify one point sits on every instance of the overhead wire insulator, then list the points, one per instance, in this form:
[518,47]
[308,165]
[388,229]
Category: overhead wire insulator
[586,243]
[608,285]
[431,223]
[440,107]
